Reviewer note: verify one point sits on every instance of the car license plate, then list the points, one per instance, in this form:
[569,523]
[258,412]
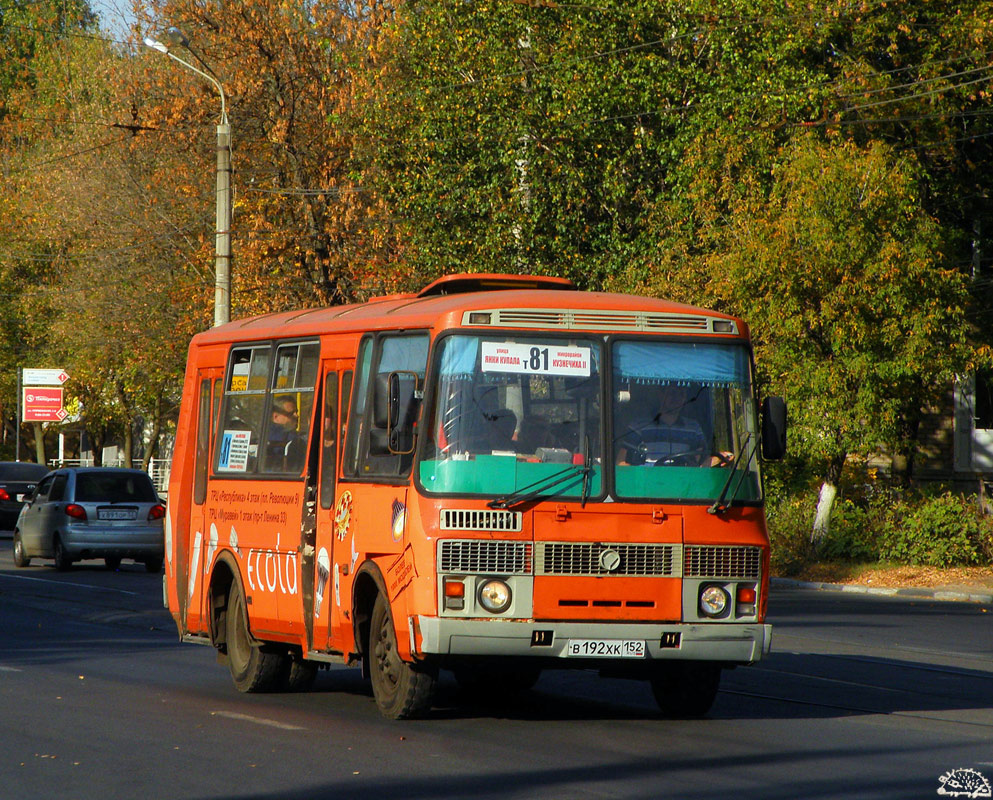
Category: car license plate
[116,513]
[20,497]
[605,648]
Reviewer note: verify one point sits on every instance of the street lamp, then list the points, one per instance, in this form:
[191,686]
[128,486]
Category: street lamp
[222,264]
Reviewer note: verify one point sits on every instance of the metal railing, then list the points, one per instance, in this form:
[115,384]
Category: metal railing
[158,468]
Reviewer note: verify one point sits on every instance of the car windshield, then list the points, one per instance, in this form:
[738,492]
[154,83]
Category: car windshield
[22,471]
[515,414]
[114,487]
[683,421]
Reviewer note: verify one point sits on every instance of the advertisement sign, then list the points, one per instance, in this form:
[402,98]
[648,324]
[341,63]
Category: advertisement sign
[43,404]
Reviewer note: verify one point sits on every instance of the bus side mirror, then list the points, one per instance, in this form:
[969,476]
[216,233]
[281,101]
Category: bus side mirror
[402,411]
[773,428]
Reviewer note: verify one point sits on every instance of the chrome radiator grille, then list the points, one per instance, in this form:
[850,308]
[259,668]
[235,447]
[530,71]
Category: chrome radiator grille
[454,519]
[722,562]
[596,558]
[471,556]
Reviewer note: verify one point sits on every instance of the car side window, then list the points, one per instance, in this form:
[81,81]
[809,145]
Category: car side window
[58,488]
[41,493]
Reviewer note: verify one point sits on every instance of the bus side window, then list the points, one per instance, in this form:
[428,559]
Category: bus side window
[329,448]
[240,428]
[291,408]
[203,443]
[377,359]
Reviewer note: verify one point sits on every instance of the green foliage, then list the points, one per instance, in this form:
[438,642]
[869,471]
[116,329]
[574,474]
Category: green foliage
[940,531]
[920,529]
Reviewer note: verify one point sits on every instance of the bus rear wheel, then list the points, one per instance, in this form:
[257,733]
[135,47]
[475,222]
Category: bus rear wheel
[685,689]
[402,690]
[253,669]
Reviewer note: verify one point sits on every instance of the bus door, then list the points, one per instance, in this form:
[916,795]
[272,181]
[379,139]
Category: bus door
[204,533]
[323,608]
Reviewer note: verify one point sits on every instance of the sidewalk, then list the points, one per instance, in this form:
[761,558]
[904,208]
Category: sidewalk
[957,584]
[960,594]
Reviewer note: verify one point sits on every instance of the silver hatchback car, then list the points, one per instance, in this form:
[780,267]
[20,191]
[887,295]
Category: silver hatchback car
[92,512]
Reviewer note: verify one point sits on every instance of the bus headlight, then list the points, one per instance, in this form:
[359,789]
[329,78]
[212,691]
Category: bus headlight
[714,601]
[495,596]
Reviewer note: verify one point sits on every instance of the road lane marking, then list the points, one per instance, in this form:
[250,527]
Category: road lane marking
[9,669]
[68,583]
[257,720]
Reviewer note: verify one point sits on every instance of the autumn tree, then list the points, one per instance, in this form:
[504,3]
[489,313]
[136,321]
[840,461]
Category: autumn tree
[860,320]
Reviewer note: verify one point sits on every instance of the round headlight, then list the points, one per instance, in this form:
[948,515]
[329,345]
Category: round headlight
[494,596]
[713,601]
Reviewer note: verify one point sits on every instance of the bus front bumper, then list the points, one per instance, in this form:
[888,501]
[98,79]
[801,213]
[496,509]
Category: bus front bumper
[726,642]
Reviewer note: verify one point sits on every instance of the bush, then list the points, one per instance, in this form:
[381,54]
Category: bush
[939,531]
[902,526]
[853,535]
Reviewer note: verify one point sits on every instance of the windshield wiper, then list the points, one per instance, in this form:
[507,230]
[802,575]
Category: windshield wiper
[719,506]
[587,473]
[538,488]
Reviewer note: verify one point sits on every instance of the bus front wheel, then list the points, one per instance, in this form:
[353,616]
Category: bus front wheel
[686,688]
[402,690]
[252,668]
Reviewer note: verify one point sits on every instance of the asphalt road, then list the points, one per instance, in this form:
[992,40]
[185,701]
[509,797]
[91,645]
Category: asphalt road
[864,697]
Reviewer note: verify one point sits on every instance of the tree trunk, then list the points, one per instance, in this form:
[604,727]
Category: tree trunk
[822,519]
[825,501]
[153,437]
[39,442]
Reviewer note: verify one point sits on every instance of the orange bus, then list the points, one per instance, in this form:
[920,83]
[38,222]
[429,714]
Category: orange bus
[494,476]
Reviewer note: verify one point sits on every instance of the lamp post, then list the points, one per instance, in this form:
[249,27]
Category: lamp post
[222,247]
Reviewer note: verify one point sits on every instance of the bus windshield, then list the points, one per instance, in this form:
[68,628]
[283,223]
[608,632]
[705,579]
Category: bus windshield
[514,414]
[683,421]
[521,415]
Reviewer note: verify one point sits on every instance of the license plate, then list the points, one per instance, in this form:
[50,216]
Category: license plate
[116,513]
[20,497]
[606,648]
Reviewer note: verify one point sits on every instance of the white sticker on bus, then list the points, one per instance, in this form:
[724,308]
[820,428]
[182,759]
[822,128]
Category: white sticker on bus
[235,450]
[545,359]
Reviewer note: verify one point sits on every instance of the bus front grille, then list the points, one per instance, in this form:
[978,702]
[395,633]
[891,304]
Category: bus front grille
[597,558]
[455,519]
[723,562]
[472,556]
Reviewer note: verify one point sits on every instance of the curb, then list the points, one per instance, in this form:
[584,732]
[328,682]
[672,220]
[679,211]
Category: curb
[910,592]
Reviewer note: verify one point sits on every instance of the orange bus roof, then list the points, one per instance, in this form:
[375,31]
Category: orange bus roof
[443,310]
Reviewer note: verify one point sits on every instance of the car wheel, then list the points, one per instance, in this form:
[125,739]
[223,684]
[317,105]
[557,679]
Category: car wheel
[62,560]
[153,565]
[402,690]
[112,562]
[20,559]
[253,668]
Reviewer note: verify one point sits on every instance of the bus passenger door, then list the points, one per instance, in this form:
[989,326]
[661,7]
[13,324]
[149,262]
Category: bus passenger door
[323,605]
[204,535]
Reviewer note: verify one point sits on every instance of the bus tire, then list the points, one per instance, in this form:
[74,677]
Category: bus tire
[20,558]
[686,689]
[298,675]
[252,668]
[402,690]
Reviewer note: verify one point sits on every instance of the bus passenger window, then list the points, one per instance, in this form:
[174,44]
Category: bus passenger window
[239,432]
[291,410]
[329,445]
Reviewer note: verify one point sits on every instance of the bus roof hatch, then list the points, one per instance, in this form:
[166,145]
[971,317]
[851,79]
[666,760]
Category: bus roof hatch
[492,282]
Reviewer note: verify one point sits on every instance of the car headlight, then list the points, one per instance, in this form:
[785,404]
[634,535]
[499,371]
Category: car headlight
[714,601]
[495,596]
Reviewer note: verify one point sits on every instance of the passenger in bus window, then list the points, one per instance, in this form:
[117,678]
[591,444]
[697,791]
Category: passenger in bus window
[660,430]
[285,447]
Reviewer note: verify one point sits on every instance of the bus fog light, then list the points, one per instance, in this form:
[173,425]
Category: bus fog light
[713,601]
[495,596]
